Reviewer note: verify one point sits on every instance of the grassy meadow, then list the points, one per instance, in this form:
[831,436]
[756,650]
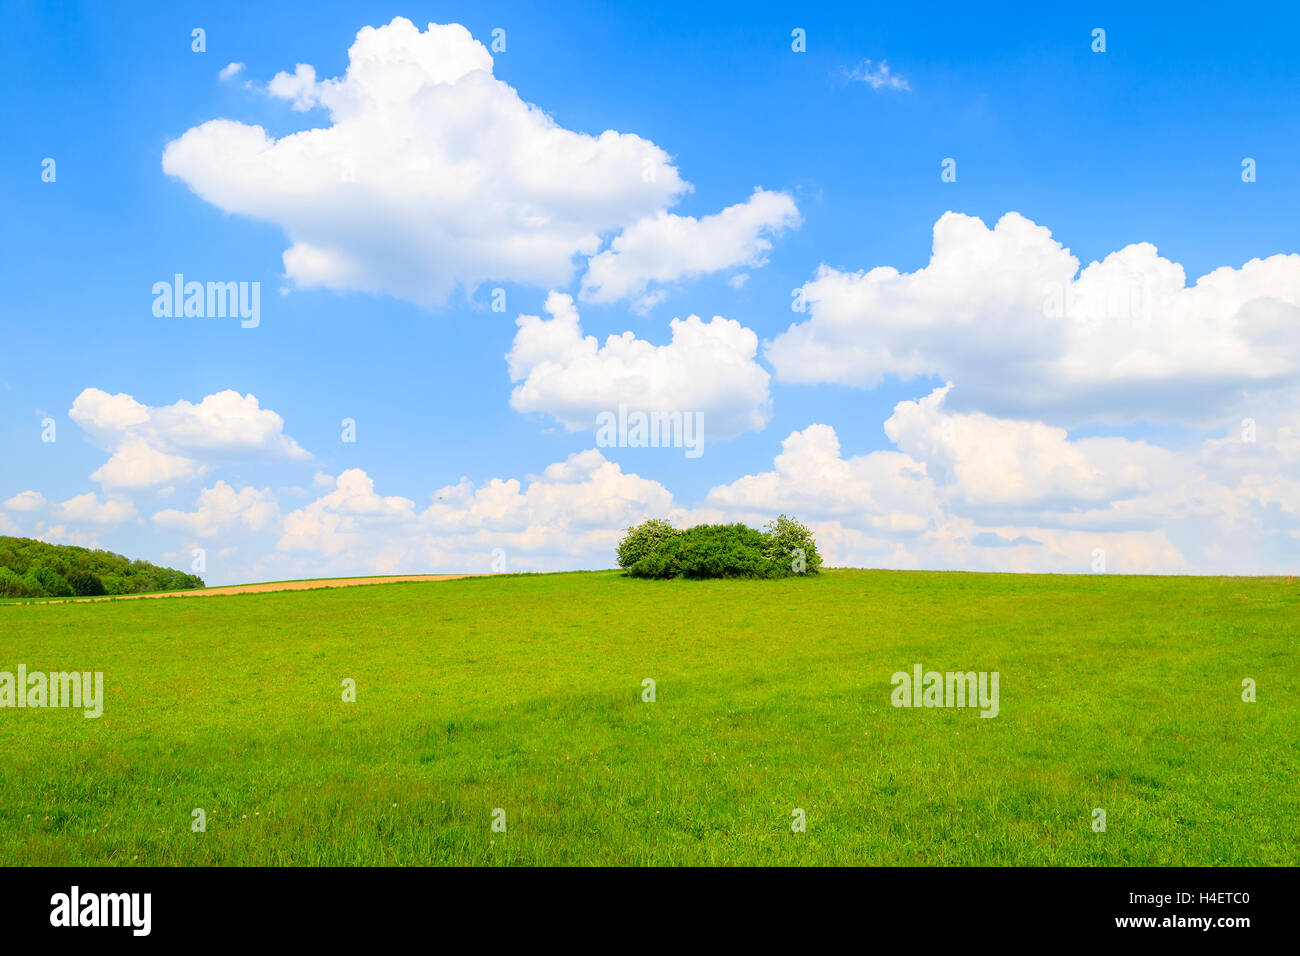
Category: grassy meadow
[525,693]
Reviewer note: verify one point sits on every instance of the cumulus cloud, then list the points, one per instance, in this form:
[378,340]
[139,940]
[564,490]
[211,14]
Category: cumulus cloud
[568,516]
[1008,317]
[957,489]
[221,509]
[97,411]
[230,71]
[61,534]
[967,490]
[882,490]
[665,248]
[344,518]
[1016,465]
[878,77]
[137,464]
[431,174]
[883,509]
[708,367]
[155,446]
[25,501]
[88,508]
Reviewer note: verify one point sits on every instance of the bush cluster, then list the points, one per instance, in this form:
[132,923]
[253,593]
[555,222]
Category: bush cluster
[655,549]
[30,568]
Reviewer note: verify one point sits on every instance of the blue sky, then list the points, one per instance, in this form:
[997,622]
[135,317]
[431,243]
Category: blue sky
[1067,443]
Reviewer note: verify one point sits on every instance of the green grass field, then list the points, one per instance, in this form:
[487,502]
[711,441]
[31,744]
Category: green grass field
[525,693]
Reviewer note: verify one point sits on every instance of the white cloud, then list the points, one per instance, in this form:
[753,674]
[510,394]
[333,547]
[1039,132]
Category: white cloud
[333,523]
[982,461]
[25,501]
[431,174]
[879,77]
[221,509]
[88,508]
[155,446]
[61,534]
[665,248]
[967,490]
[568,516]
[137,464]
[230,71]
[97,411]
[881,491]
[958,489]
[227,424]
[709,367]
[583,498]
[883,509]
[1006,315]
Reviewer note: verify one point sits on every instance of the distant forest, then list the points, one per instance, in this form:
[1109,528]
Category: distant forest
[30,568]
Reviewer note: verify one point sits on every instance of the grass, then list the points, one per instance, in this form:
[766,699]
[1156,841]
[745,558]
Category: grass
[524,693]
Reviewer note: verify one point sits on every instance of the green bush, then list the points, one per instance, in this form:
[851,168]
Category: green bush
[114,584]
[85,583]
[720,551]
[643,540]
[661,564]
[49,582]
[14,585]
[790,544]
[141,584]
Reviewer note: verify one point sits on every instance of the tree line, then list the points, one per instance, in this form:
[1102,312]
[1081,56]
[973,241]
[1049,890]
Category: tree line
[31,568]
